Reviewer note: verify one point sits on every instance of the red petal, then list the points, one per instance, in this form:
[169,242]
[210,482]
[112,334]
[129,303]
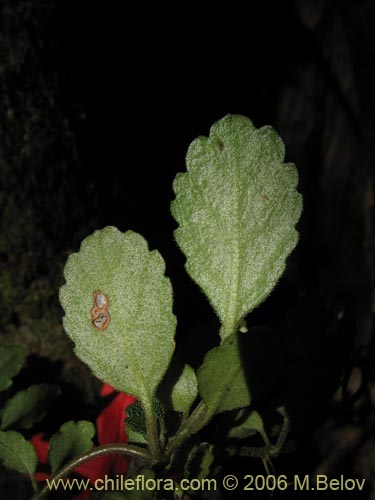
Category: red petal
[83,495]
[41,476]
[96,468]
[41,447]
[106,390]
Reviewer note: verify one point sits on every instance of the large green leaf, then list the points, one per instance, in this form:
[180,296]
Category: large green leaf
[12,358]
[236,206]
[133,350]
[72,439]
[29,406]
[16,453]
[222,381]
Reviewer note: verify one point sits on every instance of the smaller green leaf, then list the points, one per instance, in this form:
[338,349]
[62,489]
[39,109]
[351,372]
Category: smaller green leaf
[72,439]
[135,423]
[136,437]
[135,426]
[29,406]
[12,358]
[247,424]
[200,461]
[140,492]
[222,380]
[179,388]
[245,367]
[16,453]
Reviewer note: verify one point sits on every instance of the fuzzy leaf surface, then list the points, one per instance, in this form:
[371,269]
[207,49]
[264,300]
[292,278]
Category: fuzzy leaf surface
[133,352]
[236,207]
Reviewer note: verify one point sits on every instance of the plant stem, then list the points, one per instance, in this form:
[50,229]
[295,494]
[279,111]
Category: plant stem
[197,420]
[152,430]
[109,449]
[275,450]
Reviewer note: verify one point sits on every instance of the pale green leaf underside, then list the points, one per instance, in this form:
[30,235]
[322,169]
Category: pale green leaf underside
[236,207]
[222,381]
[72,439]
[133,352]
[16,453]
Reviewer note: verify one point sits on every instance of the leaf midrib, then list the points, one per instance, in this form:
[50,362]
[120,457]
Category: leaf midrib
[230,321]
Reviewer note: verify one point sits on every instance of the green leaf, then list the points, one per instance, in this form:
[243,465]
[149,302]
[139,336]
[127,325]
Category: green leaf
[245,367]
[222,379]
[247,424]
[179,389]
[135,427]
[140,492]
[133,350]
[185,390]
[236,207]
[30,406]
[16,453]
[12,358]
[71,440]
[136,437]
[199,462]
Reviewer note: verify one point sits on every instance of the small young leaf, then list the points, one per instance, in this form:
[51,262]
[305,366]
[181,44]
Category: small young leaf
[29,407]
[245,367]
[135,437]
[222,380]
[199,462]
[16,453]
[141,492]
[179,389]
[12,358]
[249,424]
[131,346]
[136,423]
[236,207]
[185,390]
[72,439]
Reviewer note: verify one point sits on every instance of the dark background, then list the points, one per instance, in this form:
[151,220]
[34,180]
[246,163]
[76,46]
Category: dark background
[98,106]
